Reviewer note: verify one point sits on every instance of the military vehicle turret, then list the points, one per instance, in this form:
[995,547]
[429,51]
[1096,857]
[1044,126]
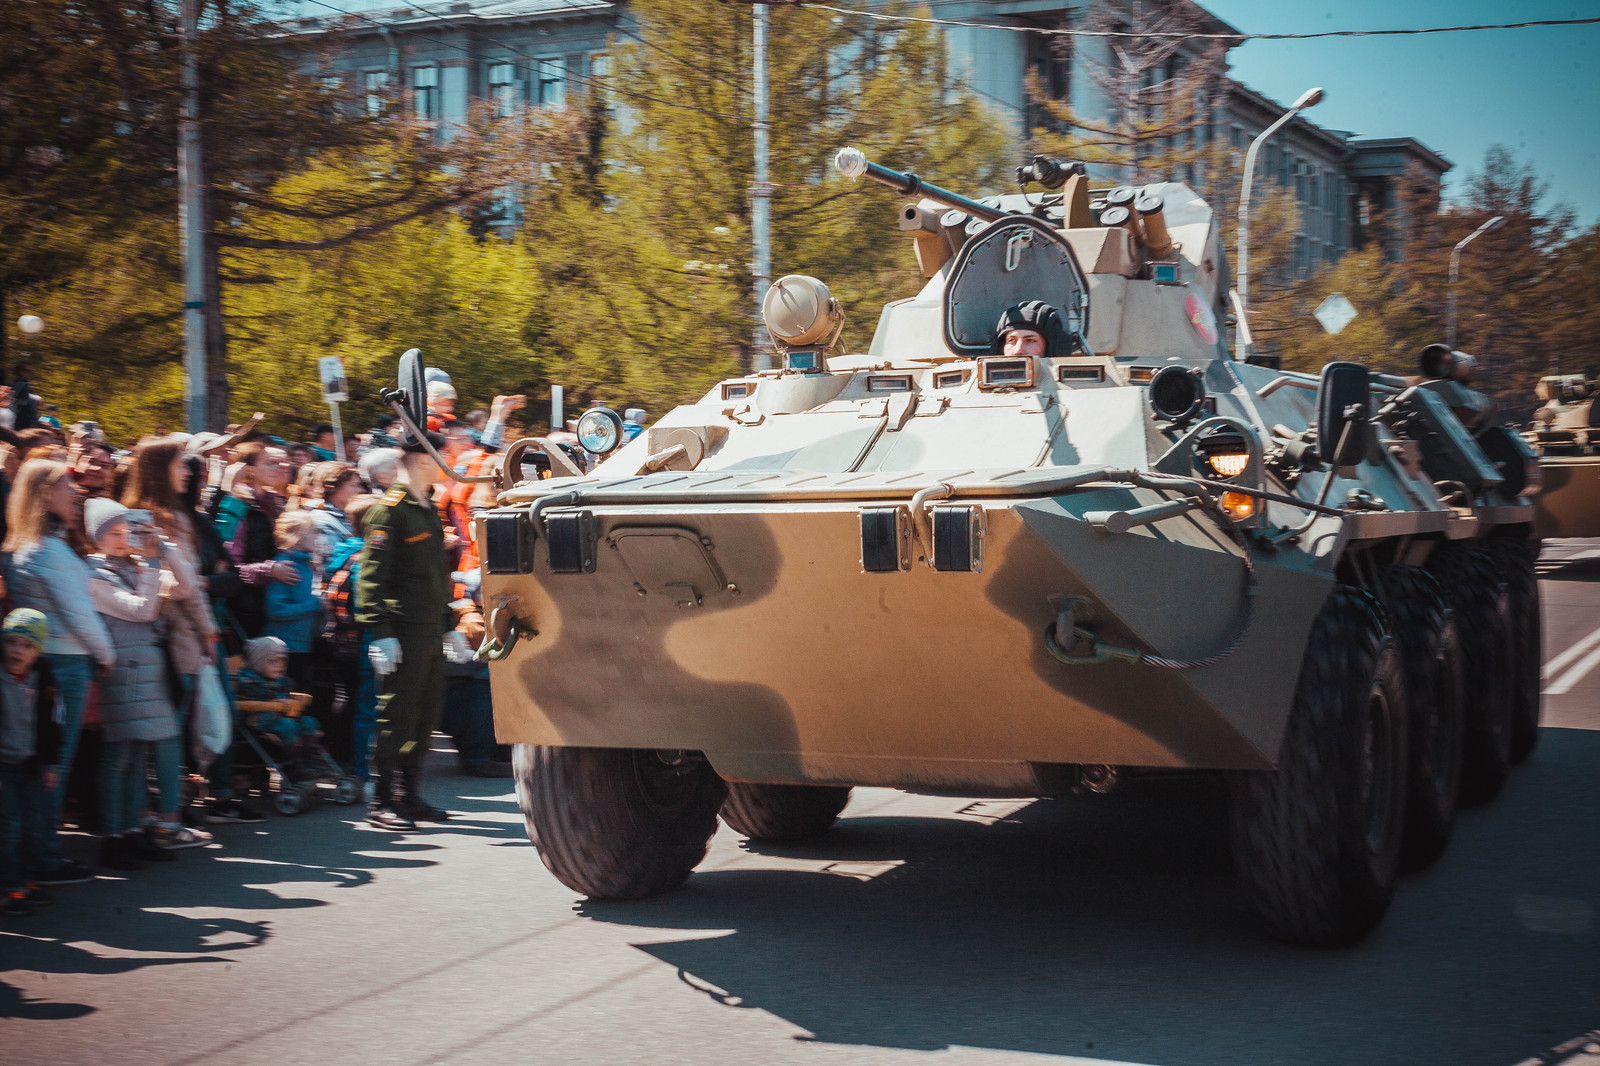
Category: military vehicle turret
[1566,433]
[1043,533]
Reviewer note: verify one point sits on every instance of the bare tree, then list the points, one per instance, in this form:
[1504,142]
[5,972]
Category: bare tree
[1160,91]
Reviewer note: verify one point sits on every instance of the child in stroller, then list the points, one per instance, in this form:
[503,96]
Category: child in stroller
[276,716]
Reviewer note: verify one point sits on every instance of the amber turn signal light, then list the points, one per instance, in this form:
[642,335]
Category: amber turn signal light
[1238,505]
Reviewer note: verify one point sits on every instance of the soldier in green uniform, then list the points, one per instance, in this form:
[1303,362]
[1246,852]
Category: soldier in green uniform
[403,595]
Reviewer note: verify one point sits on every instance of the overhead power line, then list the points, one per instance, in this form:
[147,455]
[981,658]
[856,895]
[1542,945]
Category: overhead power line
[1176,35]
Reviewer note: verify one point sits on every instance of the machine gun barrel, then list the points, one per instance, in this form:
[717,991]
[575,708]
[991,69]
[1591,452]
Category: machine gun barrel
[853,163]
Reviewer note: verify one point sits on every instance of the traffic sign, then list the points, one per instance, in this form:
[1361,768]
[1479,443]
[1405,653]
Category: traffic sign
[334,387]
[1335,313]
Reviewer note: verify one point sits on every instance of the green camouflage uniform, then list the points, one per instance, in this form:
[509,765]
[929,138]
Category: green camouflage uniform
[403,591]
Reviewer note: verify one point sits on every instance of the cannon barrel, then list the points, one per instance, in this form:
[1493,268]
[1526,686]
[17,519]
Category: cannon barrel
[853,163]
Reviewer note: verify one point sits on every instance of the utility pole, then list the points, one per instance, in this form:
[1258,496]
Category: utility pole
[761,192]
[191,219]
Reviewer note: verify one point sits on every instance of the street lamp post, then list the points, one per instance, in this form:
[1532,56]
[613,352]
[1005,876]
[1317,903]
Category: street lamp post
[1309,98]
[1455,275]
[761,192]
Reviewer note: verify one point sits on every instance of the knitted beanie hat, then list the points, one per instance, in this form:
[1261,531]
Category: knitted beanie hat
[100,514]
[30,625]
[440,390]
[259,653]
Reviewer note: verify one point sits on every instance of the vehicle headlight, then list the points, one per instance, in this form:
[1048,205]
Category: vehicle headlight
[600,430]
[1223,454]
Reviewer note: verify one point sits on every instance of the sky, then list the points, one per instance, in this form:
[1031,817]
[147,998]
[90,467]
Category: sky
[1536,91]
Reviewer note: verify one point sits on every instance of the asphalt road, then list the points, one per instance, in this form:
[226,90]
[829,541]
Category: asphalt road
[1095,929]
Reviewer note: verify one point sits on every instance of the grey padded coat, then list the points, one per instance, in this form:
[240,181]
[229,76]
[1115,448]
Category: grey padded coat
[134,703]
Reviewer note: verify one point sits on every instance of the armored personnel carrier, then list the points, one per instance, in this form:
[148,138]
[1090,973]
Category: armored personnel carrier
[1566,433]
[1044,533]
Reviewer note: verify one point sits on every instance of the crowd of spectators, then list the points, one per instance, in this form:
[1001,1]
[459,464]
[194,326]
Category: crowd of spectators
[133,576]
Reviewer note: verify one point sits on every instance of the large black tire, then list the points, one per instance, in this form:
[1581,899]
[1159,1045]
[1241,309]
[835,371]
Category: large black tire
[1470,577]
[1430,651]
[1316,842]
[1515,558]
[617,823]
[782,812]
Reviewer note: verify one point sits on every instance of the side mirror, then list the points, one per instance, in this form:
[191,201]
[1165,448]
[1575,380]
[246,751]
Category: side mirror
[412,393]
[1344,411]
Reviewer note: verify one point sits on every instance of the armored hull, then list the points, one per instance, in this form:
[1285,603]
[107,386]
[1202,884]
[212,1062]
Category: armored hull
[944,565]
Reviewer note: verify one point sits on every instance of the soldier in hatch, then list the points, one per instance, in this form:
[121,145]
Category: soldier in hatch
[403,595]
[1032,328]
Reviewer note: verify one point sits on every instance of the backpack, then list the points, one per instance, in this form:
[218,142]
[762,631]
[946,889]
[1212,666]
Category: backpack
[340,633]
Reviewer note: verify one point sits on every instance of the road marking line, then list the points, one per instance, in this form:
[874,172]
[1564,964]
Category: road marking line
[1555,914]
[1562,685]
[1578,650]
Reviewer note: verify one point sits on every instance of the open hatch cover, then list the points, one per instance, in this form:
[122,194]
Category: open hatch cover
[1011,261]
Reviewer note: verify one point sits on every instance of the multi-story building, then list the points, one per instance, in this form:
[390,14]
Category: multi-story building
[443,54]
[1342,182]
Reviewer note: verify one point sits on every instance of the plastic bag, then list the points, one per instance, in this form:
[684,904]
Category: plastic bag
[212,731]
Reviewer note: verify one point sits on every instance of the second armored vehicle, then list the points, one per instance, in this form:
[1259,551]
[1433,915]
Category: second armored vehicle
[1566,433]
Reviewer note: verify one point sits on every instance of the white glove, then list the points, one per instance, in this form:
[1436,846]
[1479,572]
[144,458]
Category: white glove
[456,648]
[471,579]
[385,655]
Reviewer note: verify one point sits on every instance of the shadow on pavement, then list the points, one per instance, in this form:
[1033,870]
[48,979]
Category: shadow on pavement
[1110,927]
[93,928]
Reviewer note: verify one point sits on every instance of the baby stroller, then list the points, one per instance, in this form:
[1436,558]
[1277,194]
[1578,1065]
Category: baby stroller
[294,777]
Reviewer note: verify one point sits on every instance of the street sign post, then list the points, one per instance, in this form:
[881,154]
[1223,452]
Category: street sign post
[1335,313]
[335,391]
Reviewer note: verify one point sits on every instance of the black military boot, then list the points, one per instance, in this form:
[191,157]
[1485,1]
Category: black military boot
[412,805]
[384,811]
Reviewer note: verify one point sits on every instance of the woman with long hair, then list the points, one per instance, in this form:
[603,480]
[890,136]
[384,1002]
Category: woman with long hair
[44,573]
[158,479]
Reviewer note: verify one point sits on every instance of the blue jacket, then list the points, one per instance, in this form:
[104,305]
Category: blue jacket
[293,611]
[343,552]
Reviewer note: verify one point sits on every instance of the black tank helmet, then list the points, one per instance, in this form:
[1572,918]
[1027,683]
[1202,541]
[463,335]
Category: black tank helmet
[1039,317]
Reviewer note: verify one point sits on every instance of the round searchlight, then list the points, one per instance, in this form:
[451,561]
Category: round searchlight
[799,310]
[1176,393]
[600,430]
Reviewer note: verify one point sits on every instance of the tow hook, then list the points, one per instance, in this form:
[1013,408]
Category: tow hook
[503,631]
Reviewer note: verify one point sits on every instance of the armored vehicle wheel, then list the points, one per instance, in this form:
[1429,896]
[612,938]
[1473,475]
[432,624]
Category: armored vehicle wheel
[1515,559]
[1481,600]
[782,812]
[617,823]
[1430,650]
[1316,842]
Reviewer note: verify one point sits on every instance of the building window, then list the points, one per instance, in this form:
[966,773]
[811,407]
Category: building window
[333,85]
[550,82]
[425,93]
[502,88]
[375,83]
